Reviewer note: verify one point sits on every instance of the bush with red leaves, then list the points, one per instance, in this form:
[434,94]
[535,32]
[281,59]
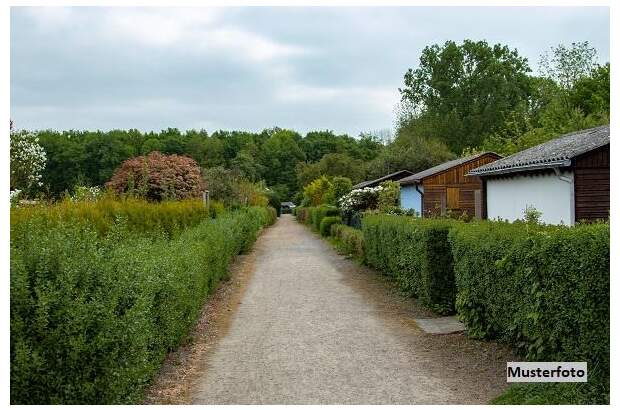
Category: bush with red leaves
[158,177]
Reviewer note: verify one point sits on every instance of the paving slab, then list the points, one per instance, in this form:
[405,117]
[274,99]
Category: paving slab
[441,325]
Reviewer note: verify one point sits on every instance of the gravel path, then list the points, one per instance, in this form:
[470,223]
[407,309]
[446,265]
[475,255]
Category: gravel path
[315,328]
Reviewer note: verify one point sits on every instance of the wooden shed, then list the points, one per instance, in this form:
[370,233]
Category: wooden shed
[446,187]
[566,179]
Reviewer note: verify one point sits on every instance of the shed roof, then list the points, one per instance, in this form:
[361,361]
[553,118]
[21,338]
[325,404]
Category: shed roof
[394,176]
[416,178]
[555,153]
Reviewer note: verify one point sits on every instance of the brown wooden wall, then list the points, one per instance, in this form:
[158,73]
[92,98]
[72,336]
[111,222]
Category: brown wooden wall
[592,185]
[436,188]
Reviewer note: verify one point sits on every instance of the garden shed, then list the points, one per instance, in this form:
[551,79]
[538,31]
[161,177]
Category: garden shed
[394,176]
[446,187]
[566,179]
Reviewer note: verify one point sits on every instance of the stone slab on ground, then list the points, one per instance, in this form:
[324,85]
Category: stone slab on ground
[441,325]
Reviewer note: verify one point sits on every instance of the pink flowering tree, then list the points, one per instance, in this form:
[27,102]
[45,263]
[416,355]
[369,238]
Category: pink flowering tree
[158,177]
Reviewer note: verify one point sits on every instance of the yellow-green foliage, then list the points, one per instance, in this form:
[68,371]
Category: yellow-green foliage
[302,214]
[316,191]
[93,316]
[140,215]
[389,197]
[272,215]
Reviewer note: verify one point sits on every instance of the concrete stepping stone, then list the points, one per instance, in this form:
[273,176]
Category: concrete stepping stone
[441,325]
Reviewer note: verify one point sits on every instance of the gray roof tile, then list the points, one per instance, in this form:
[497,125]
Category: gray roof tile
[555,153]
[377,181]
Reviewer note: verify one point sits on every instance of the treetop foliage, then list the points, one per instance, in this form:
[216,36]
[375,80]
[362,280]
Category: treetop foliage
[474,96]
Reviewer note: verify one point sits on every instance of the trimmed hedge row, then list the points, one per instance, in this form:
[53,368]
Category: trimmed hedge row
[325,227]
[318,213]
[350,240]
[313,215]
[140,215]
[544,290]
[93,316]
[417,253]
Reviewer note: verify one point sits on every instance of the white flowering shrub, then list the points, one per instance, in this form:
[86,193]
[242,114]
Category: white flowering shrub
[27,161]
[15,197]
[360,199]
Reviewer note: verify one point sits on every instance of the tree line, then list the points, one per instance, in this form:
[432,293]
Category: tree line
[279,157]
[461,98]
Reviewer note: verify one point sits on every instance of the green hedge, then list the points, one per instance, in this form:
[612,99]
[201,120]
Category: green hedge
[313,215]
[351,240]
[325,227]
[318,213]
[543,289]
[302,214]
[93,316]
[417,253]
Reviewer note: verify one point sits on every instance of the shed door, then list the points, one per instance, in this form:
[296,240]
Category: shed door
[452,198]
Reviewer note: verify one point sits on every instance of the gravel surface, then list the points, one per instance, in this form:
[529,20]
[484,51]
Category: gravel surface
[312,327]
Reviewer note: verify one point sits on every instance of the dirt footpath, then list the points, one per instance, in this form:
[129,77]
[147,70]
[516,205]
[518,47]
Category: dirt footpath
[314,328]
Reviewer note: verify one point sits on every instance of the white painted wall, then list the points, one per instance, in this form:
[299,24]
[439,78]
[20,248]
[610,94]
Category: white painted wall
[508,196]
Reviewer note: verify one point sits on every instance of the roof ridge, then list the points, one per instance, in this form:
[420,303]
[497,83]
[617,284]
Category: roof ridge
[552,152]
[444,166]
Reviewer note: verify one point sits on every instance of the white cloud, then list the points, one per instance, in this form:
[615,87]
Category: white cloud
[194,30]
[381,99]
[290,93]
[49,17]
[250,45]
[144,27]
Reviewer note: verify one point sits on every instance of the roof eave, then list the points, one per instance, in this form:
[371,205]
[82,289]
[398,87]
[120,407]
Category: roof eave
[411,182]
[523,168]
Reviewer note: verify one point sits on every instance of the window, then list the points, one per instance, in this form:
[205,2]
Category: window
[452,198]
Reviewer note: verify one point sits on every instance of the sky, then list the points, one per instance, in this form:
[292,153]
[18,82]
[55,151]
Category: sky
[303,68]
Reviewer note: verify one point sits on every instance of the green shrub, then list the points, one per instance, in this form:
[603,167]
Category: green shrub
[553,393]
[302,214]
[274,202]
[312,215]
[350,240]
[271,216]
[543,289]
[318,213]
[417,253]
[326,224]
[93,316]
[389,196]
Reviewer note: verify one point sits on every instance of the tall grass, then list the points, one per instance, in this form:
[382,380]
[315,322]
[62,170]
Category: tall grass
[139,215]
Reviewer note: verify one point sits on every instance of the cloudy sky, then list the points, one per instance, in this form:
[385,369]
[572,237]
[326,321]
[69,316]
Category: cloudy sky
[251,68]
